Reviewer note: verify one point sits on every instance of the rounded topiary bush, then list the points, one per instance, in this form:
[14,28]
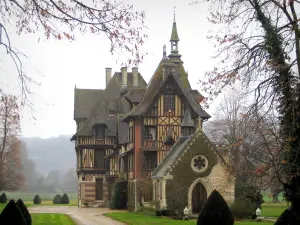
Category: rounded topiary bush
[65,199]
[37,200]
[3,198]
[215,211]
[57,199]
[25,211]
[12,214]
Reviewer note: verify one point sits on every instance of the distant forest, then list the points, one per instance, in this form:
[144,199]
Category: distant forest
[49,164]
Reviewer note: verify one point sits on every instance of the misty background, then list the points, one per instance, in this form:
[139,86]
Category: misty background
[49,164]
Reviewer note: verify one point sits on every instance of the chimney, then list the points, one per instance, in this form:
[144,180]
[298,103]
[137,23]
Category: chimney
[124,76]
[108,75]
[135,76]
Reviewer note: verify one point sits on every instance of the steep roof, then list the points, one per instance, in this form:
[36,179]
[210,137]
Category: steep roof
[157,82]
[182,145]
[135,95]
[172,155]
[174,35]
[84,101]
[110,100]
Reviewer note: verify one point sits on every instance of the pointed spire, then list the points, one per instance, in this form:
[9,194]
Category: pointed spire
[187,119]
[164,52]
[174,35]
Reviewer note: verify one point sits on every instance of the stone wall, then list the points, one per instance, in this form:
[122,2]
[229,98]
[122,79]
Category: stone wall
[184,176]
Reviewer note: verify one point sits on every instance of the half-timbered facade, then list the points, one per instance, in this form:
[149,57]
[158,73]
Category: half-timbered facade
[148,135]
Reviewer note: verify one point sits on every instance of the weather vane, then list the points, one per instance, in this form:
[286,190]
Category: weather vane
[174,12]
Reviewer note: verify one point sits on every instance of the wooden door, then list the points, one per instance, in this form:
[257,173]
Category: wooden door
[99,189]
[199,197]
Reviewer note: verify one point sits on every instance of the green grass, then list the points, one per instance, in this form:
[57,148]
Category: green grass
[139,219]
[51,219]
[273,210]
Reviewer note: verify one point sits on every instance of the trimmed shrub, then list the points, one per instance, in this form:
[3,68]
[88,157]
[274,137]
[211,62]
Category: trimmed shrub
[119,198]
[242,208]
[37,200]
[12,214]
[215,211]
[3,198]
[57,199]
[65,199]
[25,211]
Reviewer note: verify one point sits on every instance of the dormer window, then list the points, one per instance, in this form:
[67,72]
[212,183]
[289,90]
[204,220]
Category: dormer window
[100,133]
[111,112]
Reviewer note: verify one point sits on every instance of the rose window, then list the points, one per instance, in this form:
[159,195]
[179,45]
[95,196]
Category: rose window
[199,163]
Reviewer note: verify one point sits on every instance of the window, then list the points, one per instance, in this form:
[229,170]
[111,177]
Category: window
[100,133]
[99,159]
[111,112]
[169,102]
[150,160]
[149,133]
[170,89]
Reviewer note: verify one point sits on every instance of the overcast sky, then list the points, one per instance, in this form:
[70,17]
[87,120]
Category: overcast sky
[63,64]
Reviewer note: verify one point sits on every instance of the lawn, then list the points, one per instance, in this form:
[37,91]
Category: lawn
[139,219]
[51,219]
[273,210]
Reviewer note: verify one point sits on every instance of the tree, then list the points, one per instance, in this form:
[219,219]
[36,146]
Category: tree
[69,180]
[11,177]
[123,26]
[253,144]
[266,61]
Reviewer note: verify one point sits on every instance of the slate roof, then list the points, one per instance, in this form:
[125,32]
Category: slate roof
[84,101]
[177,150]
[171,157]
[172,71]
[174,35]
[135,95]
[110,99]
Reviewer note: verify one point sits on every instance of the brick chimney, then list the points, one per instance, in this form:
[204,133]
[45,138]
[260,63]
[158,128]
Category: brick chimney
[124,76]
[135,76]
[108,75]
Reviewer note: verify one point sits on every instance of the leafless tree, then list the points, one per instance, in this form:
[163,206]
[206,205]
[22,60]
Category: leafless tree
[119,22]
[11,174]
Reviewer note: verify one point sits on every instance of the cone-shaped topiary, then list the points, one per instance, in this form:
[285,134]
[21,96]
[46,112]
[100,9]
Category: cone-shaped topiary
[215,211]
[25,211]
[3,198]
[65,199]
[37,200]
[12,214]
[57,199]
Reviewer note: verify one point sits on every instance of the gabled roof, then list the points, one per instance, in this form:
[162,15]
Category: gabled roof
[171,157]
[135,95]
[182,145]
[84,101]
[157,82]
[110,100]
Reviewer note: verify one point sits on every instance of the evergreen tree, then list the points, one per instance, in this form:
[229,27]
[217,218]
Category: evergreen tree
[215,211]
[25,211]
[12,214]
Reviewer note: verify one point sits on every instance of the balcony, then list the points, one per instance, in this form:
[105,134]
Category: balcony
[150,145]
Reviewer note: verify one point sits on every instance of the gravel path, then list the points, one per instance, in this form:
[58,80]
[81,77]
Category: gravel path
[81,216]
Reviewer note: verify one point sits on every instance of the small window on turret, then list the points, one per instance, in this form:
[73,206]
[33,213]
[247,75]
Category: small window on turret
[111,112]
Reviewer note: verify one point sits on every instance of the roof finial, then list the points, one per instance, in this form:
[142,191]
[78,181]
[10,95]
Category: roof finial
[164,51]
[174,13]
